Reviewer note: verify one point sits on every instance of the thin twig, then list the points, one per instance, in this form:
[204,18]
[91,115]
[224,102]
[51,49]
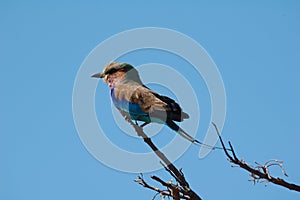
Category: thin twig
[260,172]
[142,182]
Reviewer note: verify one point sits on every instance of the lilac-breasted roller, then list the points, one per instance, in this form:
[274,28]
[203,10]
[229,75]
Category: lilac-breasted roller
[137,102]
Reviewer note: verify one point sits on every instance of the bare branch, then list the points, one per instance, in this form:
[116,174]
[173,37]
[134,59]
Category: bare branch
[175,189]
[183,191]
[143,183]
[260,173]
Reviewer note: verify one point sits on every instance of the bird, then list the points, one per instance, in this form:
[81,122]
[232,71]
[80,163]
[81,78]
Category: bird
[137,102]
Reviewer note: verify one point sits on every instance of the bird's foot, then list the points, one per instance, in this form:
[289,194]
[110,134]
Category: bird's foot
[127,118]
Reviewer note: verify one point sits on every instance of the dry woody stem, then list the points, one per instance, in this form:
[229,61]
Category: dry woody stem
[259,173]
[180,190]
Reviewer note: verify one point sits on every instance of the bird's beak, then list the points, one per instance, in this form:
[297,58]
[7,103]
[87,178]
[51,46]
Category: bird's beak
[98,75]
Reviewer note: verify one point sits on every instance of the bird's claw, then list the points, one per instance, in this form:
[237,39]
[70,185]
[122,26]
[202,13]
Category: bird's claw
[127,118]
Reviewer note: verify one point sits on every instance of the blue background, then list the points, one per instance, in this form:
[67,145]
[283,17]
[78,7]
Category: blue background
[255,45]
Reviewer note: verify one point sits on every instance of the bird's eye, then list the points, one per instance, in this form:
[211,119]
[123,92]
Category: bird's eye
[111,71]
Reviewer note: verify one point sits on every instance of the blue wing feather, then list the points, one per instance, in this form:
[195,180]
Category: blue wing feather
[133,109]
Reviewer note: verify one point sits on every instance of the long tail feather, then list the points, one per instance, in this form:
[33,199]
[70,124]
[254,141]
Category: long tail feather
[184,134]
[179,130]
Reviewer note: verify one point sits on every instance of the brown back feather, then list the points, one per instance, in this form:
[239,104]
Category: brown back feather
[156,105]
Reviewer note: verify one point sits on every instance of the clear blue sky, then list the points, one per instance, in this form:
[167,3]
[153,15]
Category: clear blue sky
[256,47]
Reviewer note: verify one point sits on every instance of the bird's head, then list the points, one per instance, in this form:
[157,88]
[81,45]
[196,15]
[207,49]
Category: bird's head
[116,72]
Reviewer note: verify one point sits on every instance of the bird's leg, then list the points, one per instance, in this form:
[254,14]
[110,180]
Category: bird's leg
[144,124]
[136,123]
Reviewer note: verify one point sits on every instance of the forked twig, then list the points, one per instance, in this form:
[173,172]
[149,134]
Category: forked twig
[259,173]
